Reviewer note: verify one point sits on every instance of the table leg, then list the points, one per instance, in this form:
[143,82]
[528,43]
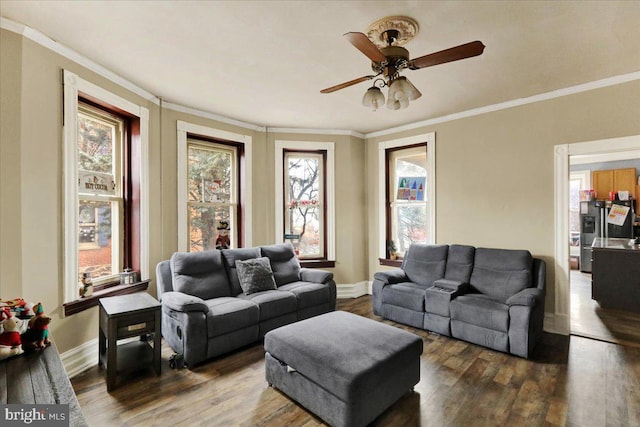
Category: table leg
[157,343]
[112,355]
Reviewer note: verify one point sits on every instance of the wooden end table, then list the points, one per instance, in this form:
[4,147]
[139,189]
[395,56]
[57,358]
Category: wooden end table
[127,316]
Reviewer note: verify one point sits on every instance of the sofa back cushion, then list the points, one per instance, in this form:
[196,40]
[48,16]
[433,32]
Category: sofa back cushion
[460,263]
[285,265]
[501,273]
[230,256]
[425,264]
[201,274]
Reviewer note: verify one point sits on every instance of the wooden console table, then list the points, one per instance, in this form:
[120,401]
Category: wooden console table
[39,378]
[126,316]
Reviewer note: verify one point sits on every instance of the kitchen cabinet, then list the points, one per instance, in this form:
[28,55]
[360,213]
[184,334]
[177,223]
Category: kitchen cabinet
[606,181]
[615,280]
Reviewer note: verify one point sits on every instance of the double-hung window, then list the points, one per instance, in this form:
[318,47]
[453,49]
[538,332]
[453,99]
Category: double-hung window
[304,198]
[213,194]
[106,190]
[101,232]
[406,197]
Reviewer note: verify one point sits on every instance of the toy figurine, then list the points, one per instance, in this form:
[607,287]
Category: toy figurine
[223,241]
[10,342]
[37,335]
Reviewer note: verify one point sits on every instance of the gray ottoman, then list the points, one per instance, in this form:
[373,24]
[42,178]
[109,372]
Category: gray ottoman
[346,369]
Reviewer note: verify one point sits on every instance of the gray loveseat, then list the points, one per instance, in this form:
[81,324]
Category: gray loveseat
[491,297]
[205,312]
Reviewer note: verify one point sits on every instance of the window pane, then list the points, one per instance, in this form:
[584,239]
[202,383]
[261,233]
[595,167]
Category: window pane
[209,175]
[204,222]
[95,144]
[303,195]
[407,222]
[95,230]
[410,226]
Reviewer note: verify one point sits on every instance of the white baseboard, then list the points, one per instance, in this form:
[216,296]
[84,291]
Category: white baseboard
[354,290]
[81,358]
[557,323]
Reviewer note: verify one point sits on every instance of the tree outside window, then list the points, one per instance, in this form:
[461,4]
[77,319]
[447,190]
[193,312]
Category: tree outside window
[304,186]
[212,195]
[100,198]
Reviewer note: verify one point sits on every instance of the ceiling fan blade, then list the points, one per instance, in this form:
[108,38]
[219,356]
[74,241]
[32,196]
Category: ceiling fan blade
[346,84]
[366,46]
[463,51]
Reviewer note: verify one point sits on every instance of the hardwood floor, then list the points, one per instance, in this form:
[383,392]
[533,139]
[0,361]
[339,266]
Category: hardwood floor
[590,320]
[571,381]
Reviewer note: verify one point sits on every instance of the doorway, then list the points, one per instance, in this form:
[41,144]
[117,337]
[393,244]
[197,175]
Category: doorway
[609,150]
[586,317]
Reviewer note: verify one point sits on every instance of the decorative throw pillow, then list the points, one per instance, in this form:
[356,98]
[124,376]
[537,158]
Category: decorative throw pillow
[255,275]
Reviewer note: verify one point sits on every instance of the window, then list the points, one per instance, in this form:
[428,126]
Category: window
[212,174]
[304,197]
[578,180]
[101,234]
[406,194]
[406,198]
[304,201]
[214,199]
[106,197]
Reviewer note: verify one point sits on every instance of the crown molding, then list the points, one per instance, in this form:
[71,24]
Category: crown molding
[45,41]
[41,39]
[610,81]
[211,116]
[318,131]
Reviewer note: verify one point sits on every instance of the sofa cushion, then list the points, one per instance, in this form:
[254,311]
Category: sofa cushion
[229,315]
[230,256]
[272,303]
[408,295]
[201,274]
[255,275]
[459,263]
[480,310]
[308,294]
[425,263]
[501,273]
[285,265]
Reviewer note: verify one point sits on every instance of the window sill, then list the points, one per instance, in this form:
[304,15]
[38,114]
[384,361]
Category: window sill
[390,262]
[318,263]
[102,291]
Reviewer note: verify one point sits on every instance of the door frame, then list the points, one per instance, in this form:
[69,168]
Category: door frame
[628,145]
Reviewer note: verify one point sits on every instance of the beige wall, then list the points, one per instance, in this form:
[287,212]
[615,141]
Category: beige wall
[494,172]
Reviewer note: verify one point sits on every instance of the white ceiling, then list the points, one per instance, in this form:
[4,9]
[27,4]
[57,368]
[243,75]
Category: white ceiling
[265,62]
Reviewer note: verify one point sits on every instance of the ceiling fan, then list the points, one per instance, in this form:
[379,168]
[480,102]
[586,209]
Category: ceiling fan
[383,46]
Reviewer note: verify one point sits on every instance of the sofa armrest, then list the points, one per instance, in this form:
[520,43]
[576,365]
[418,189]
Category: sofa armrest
[315,276]
[529,297]
[390,277]
[179,301]
[451,285]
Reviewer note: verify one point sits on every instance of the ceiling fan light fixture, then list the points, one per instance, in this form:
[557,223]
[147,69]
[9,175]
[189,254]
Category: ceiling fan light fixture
[373,98]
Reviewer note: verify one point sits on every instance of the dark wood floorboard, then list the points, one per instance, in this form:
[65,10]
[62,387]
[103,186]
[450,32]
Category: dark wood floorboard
[590,320]
[571,381]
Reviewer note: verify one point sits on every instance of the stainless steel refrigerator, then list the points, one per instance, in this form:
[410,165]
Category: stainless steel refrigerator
[593,223]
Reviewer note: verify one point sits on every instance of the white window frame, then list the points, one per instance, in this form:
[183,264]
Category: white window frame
[233,202]
[430,139]
[329,147]
[321,196]
[73,87]
[184,129]
[116,200]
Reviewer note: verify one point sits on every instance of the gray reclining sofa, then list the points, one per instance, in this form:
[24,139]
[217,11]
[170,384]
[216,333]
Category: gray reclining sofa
[491,297]
[205,312]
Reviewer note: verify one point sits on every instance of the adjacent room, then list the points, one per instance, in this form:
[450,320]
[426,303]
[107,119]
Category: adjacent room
[301,213]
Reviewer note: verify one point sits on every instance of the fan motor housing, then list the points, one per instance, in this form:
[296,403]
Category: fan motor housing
[396,56]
